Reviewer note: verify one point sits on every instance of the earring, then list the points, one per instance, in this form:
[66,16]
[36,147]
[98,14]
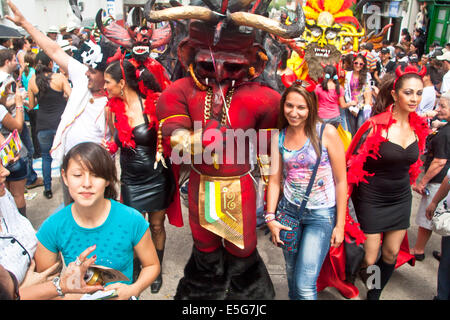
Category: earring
[121,92]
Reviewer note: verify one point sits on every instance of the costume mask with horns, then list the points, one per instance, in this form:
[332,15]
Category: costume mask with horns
[140,40]
[221,48]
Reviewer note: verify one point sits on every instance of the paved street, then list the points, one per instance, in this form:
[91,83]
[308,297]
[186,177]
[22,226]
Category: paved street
[407,283]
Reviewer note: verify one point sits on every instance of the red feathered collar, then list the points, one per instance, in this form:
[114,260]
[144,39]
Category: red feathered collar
[124,130]
[370,147]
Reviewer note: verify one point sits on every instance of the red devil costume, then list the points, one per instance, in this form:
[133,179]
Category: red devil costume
[364,149]
[140,40]
[222,60]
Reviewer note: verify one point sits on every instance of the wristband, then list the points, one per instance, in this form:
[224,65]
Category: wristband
[269,217]
[57,282]
[20,108]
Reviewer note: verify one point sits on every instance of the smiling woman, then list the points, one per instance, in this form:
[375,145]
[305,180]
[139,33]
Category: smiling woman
[380,186]
[95,218]
[321,221]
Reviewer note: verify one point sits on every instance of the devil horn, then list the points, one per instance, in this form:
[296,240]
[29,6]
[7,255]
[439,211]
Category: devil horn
[260,22]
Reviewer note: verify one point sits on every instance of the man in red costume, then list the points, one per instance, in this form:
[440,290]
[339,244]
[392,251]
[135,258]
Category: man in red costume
[203,113]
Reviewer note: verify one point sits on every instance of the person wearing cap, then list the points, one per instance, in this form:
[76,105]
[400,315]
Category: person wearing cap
[445,58]
[52,33]
[72,30]
[84,117]
[431,80]
[385,65]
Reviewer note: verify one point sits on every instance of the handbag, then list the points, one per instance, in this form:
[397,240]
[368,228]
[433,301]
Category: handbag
[354,255]
[290,237]
[440,223]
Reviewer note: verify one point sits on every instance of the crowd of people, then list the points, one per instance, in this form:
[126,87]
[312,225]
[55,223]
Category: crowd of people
[87,103]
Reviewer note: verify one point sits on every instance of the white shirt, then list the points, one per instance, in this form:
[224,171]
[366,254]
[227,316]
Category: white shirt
[82,121]
[428,100]
[18,240]
[446,83]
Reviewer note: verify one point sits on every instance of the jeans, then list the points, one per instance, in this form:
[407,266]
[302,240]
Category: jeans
[303,267]
[354,123]
[336,121]
[45,138]
[443,286]
[28,143]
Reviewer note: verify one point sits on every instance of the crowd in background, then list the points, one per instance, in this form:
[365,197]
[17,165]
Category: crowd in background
[39,89]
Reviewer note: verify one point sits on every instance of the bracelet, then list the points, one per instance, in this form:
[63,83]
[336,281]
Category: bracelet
[20,108]
[57,283]
[269,217]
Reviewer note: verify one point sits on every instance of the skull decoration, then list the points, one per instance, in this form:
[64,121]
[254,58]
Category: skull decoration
[331,23]
[92,56]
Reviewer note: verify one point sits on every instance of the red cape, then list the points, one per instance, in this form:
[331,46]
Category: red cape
[362,147]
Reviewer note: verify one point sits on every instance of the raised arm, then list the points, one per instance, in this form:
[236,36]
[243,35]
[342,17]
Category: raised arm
[50,47]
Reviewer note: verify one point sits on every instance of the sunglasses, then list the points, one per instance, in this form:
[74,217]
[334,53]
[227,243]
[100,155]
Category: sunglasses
[305,84]
[16,285]
[358,63]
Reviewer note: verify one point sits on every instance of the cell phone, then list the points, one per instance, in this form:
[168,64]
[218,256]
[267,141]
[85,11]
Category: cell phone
[13,87]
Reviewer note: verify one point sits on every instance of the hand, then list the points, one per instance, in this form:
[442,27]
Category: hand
[337,236]
[429,211]
[18,19]
[213,135]
[18,98]
[419,188]
[72,278]
[32,277]
[275,227]
[123,290]
[367,95]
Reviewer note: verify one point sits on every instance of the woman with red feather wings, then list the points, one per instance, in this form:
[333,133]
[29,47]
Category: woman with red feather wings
[389,141]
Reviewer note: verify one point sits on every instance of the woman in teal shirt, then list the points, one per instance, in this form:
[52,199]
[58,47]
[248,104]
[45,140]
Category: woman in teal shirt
[94,218]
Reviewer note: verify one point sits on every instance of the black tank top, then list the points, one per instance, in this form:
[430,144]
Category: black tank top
[51,106]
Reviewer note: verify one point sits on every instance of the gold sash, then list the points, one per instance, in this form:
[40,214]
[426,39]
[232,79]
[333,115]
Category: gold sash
[220,207]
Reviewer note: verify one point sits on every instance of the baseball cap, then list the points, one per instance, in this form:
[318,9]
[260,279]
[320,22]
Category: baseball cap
[65,45]
[53,29]
[385,50]
[71,26]
[444,57]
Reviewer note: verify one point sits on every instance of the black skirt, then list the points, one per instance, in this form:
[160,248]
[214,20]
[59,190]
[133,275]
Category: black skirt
[142,187]
[384,203]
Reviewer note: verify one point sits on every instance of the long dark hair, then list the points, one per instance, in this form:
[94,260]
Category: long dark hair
[384,98]
[332,75]
[363,73]
[115,71]
[98,161]
[43,72]
[30,62]
[313,116]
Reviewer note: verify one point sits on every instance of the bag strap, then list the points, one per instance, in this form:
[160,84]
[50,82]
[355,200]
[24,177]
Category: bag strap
[313,175]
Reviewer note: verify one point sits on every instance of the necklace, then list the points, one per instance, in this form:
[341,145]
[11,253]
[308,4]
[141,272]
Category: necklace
[225,108]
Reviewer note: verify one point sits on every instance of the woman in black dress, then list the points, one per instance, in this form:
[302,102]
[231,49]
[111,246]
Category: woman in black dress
[383,161]
[146,185]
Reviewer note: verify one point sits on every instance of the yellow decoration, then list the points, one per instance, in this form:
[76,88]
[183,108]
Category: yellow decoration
[310,13]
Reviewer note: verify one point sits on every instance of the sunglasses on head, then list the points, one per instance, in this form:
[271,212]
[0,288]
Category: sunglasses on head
[16,286]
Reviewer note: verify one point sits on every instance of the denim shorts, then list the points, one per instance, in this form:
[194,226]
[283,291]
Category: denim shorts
[18,170]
